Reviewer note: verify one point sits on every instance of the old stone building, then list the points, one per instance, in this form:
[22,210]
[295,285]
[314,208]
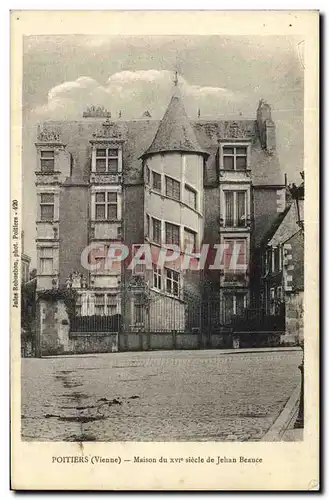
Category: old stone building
[175,182]
[282,266]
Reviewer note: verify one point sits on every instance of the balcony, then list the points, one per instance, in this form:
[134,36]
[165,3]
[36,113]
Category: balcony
[243,224]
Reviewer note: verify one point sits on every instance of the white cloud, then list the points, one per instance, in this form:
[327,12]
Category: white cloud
[132,92]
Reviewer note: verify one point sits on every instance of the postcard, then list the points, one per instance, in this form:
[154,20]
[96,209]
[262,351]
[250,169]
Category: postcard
[164,268]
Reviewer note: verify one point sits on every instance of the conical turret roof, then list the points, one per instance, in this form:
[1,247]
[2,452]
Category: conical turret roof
[175,132]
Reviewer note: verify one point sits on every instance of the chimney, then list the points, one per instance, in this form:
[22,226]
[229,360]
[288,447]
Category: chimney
[266,126]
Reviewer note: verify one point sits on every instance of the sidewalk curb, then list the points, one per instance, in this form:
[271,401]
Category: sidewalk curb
[281,424]
[246,350]
[255,350]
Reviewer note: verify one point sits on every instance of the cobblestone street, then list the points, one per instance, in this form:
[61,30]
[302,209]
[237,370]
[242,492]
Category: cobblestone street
[156,396]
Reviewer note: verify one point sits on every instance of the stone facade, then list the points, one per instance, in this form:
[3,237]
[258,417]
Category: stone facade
[56,338]
[281,277]
[295,318]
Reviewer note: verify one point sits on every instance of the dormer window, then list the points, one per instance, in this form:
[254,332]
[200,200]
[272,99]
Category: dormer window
[107,160]
[47,161]
[235,157]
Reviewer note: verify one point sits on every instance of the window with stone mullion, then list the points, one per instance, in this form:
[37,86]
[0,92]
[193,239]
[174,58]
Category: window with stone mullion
[172,234]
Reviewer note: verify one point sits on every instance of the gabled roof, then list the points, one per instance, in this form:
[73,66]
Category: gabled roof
[175,132]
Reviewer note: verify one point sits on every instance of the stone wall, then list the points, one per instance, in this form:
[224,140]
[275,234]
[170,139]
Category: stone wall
[93,343]
[52,332]
[55,337]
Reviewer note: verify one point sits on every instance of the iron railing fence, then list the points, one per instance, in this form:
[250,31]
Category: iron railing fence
[189,316]
[96,323]
[258,319]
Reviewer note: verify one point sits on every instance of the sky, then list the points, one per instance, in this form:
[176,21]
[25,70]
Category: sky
[223,76]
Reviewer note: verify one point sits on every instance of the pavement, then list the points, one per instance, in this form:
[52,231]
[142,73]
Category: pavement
[205,395]
[283,428]
[293,435]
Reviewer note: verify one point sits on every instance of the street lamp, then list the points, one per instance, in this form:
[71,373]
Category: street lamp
[297,193]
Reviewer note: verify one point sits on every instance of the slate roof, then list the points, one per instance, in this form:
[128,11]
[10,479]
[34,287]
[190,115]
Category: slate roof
[275,226]
[139,137]
[175,132]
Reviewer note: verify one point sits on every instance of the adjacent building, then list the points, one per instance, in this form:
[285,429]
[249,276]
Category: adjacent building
[282,265]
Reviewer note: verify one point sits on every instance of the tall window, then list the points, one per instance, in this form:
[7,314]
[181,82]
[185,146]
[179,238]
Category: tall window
[229,208]
[111,304]
[172,188]
[235,208]
[172,282]
[156,181]
[190,197]
[172,234]
[234,304]
[235,261]
[268,260]
[228,307]
[235,157]
[100,304]
[156,230]
[265,263]
[138,309]
[272,301]
[240,303]
[47,161]
[156,277]
[279,294]
[106,304]
[148,229]
[276,259]
[47,203]
[138,268]
[100,258]
[107,160]
[189,239]
[78,305]
[46,260]
[106,205]
[280,257]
